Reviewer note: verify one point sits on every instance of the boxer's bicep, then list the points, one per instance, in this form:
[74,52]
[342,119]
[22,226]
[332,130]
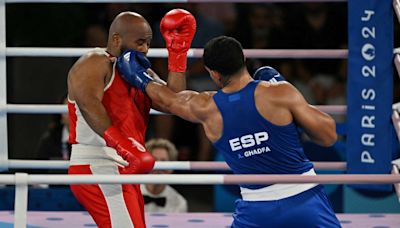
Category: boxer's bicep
[183,104]
[187,105]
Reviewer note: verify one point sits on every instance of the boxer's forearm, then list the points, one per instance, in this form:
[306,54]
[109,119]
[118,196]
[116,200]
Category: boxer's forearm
[176,81]
[179,104]
[326,135]
[323,128]
[161,96]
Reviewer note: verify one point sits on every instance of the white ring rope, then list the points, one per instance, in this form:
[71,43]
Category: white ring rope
[57,108]
[45,109]
[192,53]
[35,108]
[165,1]
[170,165]
[21,180]
[204,179]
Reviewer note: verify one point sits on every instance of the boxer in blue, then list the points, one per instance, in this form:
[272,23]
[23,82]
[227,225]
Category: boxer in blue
[253,123]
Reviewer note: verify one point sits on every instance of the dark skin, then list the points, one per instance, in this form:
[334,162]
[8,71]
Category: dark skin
[92,72]
[280,103]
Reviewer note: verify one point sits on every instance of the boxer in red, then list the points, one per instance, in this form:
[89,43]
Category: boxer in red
[108,118]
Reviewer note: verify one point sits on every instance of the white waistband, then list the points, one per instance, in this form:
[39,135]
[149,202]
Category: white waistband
[276,191]
[95,155]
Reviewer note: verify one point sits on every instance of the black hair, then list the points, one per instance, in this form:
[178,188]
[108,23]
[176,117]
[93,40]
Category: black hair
[224,55]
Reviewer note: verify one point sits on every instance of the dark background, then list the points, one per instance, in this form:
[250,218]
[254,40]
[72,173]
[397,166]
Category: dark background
[41,80]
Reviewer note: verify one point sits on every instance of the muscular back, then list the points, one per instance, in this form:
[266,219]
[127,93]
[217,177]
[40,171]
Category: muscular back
[273,102]
[268,103]
[280,104]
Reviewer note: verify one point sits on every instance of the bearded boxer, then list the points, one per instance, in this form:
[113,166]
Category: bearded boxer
[254,124]
[108,117]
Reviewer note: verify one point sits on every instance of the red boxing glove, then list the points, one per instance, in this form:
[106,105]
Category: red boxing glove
[178,27]
[139,159]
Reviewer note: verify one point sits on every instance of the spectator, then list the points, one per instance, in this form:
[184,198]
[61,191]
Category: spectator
[53,144]
[161,197]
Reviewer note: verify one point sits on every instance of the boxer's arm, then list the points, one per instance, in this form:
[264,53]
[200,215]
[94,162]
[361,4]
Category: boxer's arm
[186,104]
[176,81]
[86,82]
[155,76]
[319,126]
[177,27]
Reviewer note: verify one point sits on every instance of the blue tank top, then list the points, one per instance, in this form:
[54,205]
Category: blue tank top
[253,145]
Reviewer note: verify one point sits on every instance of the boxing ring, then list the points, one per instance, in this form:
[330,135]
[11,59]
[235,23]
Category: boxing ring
[20,217]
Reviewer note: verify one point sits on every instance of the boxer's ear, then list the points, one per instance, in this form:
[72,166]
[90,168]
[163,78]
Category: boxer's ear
[211,72]
[216,77]
[116,41]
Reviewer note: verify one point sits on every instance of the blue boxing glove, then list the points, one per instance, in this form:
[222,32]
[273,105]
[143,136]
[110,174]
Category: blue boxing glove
[269,74]
[133,65]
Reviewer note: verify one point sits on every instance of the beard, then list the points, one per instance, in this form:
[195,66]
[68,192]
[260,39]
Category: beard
[122,49]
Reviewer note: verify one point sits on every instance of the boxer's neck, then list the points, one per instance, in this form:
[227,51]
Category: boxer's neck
[237,82]
[112,52]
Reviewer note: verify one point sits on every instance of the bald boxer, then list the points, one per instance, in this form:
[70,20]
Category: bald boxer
[253,123]
[108,117]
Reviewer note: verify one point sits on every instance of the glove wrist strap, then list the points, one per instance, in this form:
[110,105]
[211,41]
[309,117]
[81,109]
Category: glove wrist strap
[177,62]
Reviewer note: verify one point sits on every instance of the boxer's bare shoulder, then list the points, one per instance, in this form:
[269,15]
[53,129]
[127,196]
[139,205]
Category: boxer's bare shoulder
[96,58]
[202,104]
[94,67]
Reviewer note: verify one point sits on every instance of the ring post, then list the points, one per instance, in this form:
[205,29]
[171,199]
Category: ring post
[3,90]
[369,89]
[21,200]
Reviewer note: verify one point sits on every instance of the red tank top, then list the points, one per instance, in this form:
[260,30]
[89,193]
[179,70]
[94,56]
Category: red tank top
[127,106]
